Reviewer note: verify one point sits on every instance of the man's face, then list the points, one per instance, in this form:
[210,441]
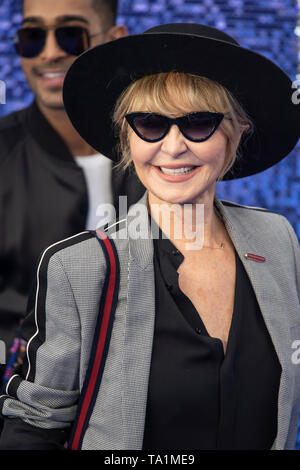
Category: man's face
[45,73]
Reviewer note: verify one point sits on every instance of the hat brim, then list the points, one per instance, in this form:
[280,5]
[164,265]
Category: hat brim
[97,78]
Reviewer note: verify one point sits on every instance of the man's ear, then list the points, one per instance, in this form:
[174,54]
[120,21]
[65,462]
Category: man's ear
[116,32]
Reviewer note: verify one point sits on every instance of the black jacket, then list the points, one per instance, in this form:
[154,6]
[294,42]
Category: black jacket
[43,199]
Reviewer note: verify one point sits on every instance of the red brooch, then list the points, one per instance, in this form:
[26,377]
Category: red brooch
[259,259]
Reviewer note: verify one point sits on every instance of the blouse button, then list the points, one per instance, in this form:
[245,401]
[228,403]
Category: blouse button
[198,330]
[175,252]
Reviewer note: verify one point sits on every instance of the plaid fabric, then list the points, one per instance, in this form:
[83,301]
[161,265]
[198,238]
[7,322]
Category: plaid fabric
[15,361]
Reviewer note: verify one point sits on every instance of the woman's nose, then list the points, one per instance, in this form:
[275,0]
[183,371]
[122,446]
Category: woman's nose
[174,142]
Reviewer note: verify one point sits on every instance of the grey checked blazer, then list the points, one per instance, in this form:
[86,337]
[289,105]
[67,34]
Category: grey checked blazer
[70,277]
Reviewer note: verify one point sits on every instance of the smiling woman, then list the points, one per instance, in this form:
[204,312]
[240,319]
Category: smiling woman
[174,94]
[191,347]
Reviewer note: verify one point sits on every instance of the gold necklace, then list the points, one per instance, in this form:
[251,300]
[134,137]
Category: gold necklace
[221,247]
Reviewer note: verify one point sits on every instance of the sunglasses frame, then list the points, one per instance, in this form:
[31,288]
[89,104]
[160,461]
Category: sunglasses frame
[171,121]
[17,41]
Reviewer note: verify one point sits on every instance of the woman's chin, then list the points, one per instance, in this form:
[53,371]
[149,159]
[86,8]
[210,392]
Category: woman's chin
[170,197]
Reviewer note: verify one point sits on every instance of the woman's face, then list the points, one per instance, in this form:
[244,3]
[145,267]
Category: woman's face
[155,161]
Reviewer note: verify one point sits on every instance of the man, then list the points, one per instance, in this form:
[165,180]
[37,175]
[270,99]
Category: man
[51,180]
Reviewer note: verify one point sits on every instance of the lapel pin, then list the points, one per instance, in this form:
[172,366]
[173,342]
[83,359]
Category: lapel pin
[259,259]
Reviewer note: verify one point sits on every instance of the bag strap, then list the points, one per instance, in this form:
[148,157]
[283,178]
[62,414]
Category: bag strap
[108,303]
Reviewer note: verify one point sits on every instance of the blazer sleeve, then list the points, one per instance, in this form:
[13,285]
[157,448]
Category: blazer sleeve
[42,399]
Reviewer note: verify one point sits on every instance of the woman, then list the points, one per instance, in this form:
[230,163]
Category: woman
[199,309]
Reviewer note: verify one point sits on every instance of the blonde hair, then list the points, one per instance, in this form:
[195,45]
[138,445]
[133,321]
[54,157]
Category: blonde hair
[176,93]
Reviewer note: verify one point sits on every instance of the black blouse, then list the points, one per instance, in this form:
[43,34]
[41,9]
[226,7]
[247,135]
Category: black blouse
[199,398]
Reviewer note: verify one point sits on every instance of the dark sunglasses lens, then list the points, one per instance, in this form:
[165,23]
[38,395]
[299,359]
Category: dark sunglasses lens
[198,126]
[151,126]
[72,39]
[30,41]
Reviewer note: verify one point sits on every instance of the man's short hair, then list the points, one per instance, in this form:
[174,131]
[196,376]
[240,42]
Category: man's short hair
[107,10]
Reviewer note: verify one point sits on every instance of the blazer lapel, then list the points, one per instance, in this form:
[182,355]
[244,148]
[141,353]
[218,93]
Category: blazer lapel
[139,330]
[272,306]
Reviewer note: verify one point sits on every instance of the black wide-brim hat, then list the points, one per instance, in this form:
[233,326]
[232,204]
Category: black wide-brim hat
[97,78]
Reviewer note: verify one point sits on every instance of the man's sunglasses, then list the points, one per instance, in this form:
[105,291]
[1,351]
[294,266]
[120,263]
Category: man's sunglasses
[153,127]
[29,42]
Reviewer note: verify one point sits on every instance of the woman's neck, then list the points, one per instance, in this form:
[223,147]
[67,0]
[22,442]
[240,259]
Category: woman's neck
[188,226]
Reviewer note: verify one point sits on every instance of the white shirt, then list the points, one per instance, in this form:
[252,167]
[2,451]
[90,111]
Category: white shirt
[97,170]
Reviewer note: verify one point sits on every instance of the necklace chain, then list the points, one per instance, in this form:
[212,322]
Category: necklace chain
[221,247]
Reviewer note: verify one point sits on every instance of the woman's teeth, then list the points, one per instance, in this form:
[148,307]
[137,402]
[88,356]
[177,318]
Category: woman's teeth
[177,171]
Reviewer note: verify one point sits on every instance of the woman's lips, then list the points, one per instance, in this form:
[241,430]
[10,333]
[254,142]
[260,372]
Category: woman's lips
[176,178]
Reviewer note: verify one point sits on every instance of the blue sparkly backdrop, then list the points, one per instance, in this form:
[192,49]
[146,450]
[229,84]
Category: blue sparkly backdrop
[265,26]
